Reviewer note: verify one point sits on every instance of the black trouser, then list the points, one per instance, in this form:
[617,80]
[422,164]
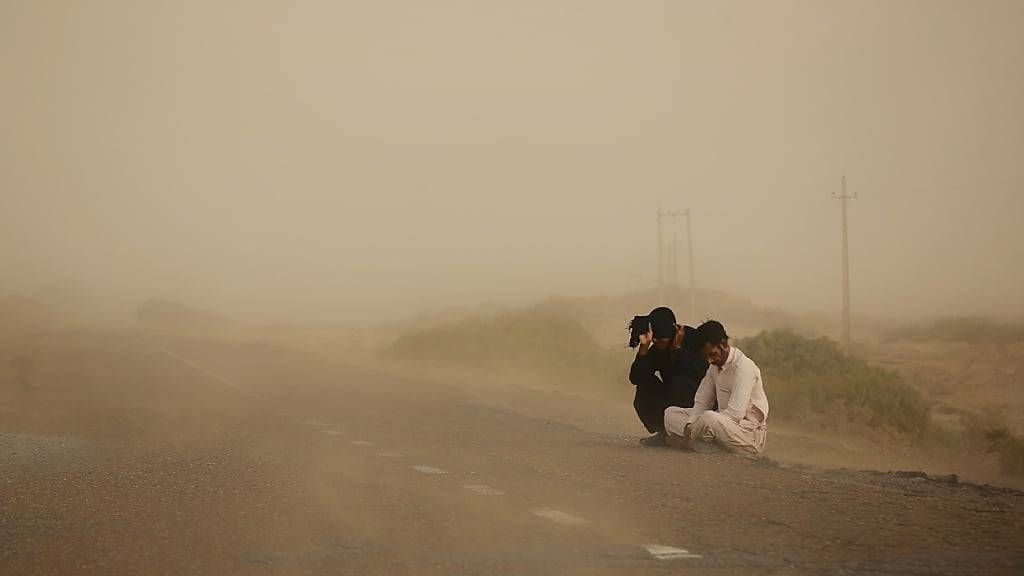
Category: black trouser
[653,398]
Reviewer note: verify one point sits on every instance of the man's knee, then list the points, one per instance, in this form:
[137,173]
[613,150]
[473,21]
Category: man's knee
[647,398]
[708,425]
[675,420]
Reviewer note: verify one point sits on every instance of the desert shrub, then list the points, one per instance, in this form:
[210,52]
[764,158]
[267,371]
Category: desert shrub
[813,380]
[173,315]
[22,315]
[973,330]
[22,368]
[808,380]
[985,433]
[536,341]
[1009,448]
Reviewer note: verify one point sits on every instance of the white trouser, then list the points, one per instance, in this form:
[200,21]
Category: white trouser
[743,436]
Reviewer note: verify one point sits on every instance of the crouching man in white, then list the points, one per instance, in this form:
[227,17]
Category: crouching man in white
[734,381]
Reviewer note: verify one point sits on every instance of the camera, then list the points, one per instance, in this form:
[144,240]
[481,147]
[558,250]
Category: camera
[661,328]
[637,326]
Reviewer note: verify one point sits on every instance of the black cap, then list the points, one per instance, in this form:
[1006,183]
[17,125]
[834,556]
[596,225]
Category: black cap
[663,329]
[663,322]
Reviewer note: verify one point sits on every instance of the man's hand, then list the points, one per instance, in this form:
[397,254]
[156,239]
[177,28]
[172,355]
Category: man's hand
[684,442]
[677,342]
[645,341]
[687,441]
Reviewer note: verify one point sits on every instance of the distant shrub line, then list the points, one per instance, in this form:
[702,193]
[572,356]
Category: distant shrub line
[973,330]
[807,379]
[552,347]
[810,381]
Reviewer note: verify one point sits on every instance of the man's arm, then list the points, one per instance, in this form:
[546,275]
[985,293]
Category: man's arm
[703,399]
[742,388]
[642,371]
[700,405]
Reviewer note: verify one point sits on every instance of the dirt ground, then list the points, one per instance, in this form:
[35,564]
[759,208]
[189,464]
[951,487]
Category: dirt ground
[122,454]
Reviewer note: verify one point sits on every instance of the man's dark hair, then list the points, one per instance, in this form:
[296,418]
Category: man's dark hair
[662,314]
[711,332]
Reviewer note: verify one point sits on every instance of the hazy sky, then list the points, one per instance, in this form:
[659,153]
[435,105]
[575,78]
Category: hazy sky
[331,159]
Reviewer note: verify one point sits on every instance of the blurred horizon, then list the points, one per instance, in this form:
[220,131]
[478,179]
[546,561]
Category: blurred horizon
[320,161]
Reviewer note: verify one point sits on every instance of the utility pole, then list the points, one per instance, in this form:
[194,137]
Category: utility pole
[661,264]
[843,197]
[675,255]
[693,282]
[661,253]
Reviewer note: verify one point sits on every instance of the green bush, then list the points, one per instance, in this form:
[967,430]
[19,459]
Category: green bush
[813,380]
[810,381]
[537,341]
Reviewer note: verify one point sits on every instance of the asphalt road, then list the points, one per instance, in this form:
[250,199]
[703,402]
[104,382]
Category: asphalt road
[125,454]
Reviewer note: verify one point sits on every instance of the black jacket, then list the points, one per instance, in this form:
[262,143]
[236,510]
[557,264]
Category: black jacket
[681,370]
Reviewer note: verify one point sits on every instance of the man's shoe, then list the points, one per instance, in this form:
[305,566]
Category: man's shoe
[658,439]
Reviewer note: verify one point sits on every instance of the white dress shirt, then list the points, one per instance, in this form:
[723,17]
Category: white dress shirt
[738,388]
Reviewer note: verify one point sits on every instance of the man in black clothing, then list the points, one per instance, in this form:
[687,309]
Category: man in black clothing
[666,372]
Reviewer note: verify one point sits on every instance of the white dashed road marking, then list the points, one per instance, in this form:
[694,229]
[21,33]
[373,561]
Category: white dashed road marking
[208,373]
[669,553]
[429,470]
[656,550]
[560,517]
[484,490]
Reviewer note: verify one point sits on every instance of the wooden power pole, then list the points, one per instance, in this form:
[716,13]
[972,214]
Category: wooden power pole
[693,282]
[662,272]
[843,196]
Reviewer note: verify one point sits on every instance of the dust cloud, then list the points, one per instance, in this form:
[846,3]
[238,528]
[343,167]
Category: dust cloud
[369,180]
[342,286]
[360,162]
